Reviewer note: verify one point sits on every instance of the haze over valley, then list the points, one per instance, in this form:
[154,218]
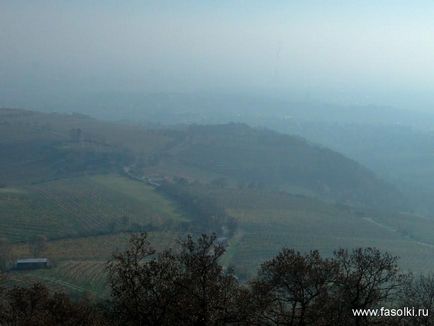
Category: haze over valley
[260,141]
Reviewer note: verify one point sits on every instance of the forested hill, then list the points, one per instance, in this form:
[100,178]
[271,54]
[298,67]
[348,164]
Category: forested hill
[37,147]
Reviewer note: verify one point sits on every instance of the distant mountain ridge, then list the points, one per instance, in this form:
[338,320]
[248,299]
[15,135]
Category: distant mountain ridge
[211,108]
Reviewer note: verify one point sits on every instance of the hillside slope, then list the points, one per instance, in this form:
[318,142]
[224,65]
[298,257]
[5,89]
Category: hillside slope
[38,147]
[262,158]
[84,184]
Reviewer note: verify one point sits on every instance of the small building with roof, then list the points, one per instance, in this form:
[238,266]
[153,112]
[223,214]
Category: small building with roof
[32,263]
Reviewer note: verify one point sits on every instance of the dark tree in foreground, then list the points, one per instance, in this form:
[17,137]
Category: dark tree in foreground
[187,287]
[37,306]
[208,294]
[295,289]
[366,278]
[418,292]
[291,288]
[142,283]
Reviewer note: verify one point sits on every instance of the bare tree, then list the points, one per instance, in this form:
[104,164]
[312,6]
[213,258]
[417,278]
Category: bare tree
[418,293]
[209,294]
[141,284]
[36,305]
[185,287]
[291,288]
[366,278]
[295,289]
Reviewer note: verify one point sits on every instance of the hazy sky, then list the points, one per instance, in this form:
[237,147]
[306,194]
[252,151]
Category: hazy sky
[366,51]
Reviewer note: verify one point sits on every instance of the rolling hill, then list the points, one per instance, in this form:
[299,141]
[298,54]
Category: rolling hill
[39,147]
[263,158]
[85,184]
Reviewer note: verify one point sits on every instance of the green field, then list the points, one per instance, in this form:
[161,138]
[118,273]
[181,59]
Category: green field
[75,214]
[269,221]
[72,192]
[80,206]
[75,277]
[264,232]
[79,263]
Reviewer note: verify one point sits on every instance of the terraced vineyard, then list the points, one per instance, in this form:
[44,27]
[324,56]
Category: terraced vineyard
[87,213]
[79,263]
[79,276]
[94,247]
[80,207]
[268,221]
[265,232]
[75,277]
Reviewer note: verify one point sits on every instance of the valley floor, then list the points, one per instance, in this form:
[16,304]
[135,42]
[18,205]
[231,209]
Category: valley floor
[267,221]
